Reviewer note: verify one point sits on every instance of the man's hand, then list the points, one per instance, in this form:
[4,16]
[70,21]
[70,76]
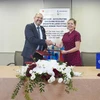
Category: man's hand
[49,42]
[58,45]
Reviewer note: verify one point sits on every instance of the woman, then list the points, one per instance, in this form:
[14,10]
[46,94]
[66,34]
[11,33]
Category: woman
[71,42]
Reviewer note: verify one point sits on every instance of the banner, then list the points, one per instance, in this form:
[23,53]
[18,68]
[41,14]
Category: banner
[54,21]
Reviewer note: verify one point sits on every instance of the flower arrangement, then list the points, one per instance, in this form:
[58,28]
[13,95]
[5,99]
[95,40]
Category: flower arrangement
[42,71]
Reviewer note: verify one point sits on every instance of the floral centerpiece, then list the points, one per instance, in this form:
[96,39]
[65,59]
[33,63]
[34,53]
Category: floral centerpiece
[42,71]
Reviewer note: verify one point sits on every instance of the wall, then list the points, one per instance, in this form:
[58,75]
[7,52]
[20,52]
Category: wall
[6,58]
[14,15]
[88,23]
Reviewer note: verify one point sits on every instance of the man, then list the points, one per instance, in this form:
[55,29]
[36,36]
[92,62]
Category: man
[35,39]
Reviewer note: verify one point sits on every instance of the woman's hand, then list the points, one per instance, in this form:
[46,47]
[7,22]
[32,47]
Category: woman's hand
[63,51]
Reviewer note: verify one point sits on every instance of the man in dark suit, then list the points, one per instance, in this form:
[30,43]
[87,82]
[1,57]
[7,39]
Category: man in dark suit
[35,39]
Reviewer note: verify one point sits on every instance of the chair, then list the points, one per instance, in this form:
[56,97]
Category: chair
[88,58]
[18,59]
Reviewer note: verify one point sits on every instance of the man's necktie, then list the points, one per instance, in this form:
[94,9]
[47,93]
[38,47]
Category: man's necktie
[38,30]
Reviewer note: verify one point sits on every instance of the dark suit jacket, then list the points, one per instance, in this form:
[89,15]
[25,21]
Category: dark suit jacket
[32,40]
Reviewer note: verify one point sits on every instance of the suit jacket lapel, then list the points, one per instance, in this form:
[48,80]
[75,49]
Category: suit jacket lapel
[43,34]
[35,30]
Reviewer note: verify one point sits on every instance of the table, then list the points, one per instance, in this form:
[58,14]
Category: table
[88,86]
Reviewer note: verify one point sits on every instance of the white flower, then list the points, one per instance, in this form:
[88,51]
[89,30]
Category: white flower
[60,80]
[50,71]
[47,63]
[61,68]
[77,73]
[33,76]
[23,70]
[38,70]
[52,79]
[42,63]
[66,70]
[68,75]
[66,80]
[30,71]
[53,63]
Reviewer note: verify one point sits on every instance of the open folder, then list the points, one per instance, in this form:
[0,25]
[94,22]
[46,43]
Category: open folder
[42,53]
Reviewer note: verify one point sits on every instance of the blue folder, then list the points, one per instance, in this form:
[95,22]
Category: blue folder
[98,60]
